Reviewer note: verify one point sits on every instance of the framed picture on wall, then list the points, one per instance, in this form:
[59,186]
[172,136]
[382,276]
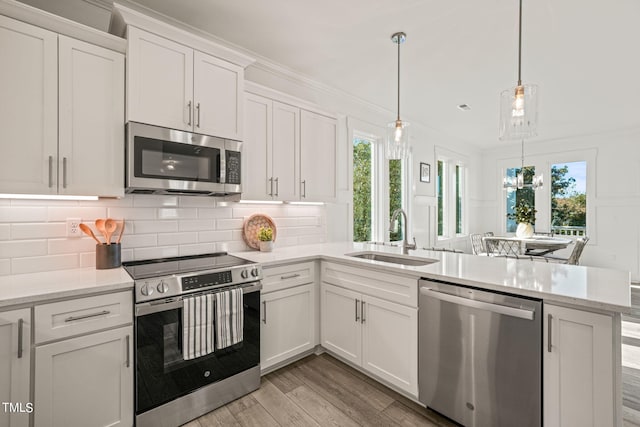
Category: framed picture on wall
[425,172]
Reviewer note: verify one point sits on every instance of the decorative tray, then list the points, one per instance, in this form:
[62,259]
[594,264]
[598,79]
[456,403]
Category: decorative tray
[252,226]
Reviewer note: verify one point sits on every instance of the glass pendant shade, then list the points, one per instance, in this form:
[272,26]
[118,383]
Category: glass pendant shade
[519,112]
[397,140]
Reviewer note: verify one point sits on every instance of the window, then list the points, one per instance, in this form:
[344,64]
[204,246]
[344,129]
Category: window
[517,196]
[569,198]
[450,189]
[379,188]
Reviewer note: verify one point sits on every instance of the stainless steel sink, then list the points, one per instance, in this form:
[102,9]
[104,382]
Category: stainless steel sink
[393,259]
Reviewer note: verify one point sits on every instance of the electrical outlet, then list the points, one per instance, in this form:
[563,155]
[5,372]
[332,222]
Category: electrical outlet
[73,227]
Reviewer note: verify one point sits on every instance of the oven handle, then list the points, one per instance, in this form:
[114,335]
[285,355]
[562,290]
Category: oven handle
[172,303]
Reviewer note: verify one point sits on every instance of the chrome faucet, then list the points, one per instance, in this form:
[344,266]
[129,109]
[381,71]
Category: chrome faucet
[406,246]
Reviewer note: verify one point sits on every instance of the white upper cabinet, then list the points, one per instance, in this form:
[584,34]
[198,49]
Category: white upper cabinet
[174,86]
[286,149]
[91,111]
[160,81]
[29,108]
[256,180]
[62,104]
[217,97]
[318,141]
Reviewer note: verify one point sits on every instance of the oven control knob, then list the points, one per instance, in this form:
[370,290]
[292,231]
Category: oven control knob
[254,272]
[244,274]
[162,287]
[146,290]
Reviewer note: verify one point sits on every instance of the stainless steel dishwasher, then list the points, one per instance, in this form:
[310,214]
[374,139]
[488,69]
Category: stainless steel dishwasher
[480,355]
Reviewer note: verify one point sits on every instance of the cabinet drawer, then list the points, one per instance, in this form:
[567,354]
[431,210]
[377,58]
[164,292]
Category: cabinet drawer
[286,276]
[391,287]
[83,315]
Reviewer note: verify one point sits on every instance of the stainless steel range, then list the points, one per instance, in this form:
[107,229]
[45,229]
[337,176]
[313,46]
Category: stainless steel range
[169,389]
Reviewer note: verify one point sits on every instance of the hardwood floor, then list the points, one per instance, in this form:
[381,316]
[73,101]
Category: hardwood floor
[322,391]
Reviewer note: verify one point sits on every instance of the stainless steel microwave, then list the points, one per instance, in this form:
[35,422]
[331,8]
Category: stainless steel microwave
[168,161]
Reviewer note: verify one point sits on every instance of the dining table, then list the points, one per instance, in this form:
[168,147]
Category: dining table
[542,245]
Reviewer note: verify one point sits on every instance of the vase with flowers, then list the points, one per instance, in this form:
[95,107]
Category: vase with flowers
[525,216]
[265,236]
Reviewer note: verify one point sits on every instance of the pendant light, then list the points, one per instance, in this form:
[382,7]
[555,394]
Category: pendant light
[397,132]
[511,183]
[519,105]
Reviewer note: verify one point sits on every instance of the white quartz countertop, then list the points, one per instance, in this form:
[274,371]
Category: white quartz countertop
[36,287]
[591,287]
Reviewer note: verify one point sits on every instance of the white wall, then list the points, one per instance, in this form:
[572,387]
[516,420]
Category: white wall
[33,232]
[613,198]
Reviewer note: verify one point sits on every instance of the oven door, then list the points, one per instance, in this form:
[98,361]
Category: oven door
[173,161]
[162,374]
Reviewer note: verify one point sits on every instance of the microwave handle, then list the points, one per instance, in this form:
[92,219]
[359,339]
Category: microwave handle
[223,166]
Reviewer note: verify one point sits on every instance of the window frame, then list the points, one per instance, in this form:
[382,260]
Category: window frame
[380,175]
[452,162]
[542,163]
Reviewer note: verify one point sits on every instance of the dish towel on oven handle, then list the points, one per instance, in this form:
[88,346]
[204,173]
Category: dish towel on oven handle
[197,326]
[229,319]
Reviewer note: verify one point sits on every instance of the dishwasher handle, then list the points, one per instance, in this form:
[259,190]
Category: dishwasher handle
[481,305]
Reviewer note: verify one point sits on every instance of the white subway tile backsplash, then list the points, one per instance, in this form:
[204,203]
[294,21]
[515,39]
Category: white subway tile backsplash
[196,225]
[200,248]
[21,248]
[33,232]
[37,230]
[177,213]
[215,236]
[60,213]
[5,231]
[141,227]
[156,252]
[197,202]
[5,267]
[23,214]
[215,213]
[71,246]
[131,213]
[44,263]
[139,240]
[183,238]
[153,201]
[229,224]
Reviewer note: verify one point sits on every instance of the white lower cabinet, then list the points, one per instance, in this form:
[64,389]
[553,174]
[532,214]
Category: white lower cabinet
[85,381]
[15,357]
[288,324]
[377,335]
[580,379]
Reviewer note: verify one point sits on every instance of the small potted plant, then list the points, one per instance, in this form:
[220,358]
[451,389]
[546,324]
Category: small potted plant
[265,236]
[525,216]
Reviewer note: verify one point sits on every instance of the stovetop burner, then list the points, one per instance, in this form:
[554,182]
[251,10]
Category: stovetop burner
[170,277]
[181,265]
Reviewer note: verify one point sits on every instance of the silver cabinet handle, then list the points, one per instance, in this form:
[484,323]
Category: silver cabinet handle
[86,316]
[290,276]
[304,188]
[189,108]
[549,328]
[264,312]
[271,186]
[20,330]
[362,311]
[128,351]
[357,304]
[198,115]
[277,186]
[495,308]
[50,171]
[64,172]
